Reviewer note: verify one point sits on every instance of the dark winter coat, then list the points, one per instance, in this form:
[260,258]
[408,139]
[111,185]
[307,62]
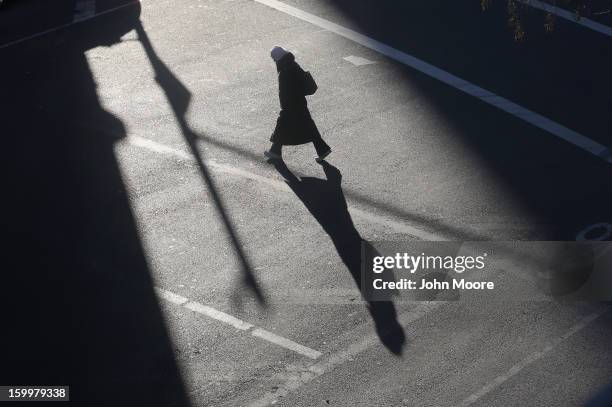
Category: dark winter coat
[294,124]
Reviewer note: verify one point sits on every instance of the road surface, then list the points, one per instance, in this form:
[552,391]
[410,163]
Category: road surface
[144,221]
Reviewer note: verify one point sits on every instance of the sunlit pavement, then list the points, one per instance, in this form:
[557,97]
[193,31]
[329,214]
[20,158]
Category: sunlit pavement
[187,98]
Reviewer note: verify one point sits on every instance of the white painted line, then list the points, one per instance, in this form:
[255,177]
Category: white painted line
[218,315]
[568,15]
[393,224]
[237,323]
[358,61]
[84,10]
[171,297]
[286,343]
[159,148]
[498,381]
[294,380]
[59,27]
[484,95]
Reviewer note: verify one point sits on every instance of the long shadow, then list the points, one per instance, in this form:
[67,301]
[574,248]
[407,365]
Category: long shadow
[325,200]
[437,225]
[78,303]
[179,98]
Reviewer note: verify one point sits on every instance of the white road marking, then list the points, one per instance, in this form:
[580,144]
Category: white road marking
[84,10]
[59,27]
[237,323]
[218,315]
[171,297]
[484,95]
[358,61]
[498,381]
[568,15]
[286,343]
[159,148]
[295,380]
[371,217]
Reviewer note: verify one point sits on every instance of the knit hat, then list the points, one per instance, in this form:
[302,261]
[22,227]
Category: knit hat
[277,53]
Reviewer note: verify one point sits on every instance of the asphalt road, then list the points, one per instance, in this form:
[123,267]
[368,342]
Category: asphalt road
[155,258]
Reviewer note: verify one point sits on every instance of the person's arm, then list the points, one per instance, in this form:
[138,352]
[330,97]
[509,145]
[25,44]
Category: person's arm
[284,89]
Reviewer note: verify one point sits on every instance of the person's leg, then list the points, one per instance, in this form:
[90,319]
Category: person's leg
[275,152]
[277,148]
[321,146]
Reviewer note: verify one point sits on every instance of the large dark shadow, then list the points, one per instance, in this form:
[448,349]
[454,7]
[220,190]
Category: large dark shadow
[325,200]
[78,302]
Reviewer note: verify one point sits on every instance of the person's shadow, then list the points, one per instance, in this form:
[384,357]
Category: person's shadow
[325,200]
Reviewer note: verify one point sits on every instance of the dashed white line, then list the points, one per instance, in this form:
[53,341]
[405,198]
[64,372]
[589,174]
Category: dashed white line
[567,15]
[498,381]
[237,323]
[484,95]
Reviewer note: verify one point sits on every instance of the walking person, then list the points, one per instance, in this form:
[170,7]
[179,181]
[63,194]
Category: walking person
[294,124]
